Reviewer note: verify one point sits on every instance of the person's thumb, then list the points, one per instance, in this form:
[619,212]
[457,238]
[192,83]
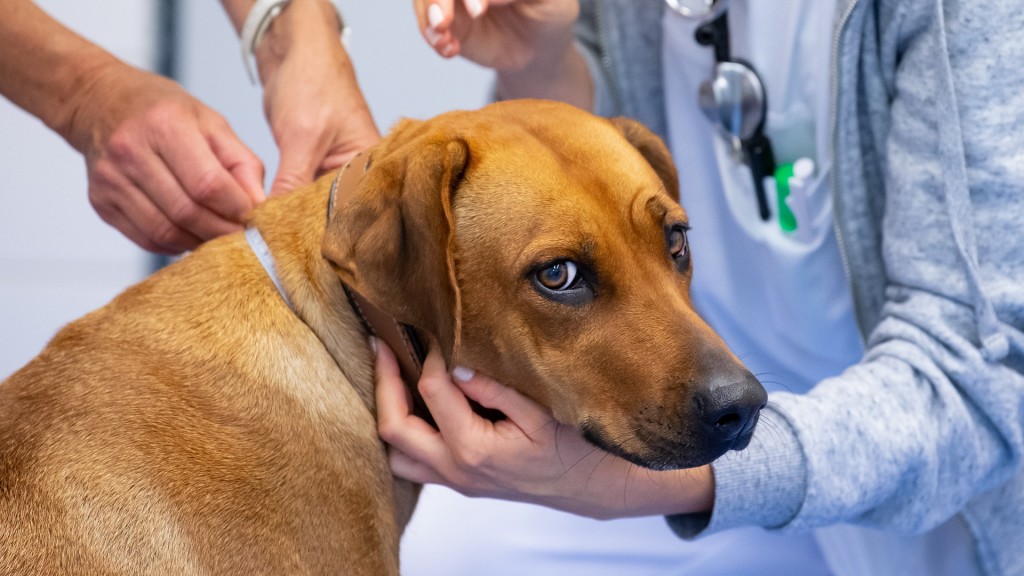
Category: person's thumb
[293,172]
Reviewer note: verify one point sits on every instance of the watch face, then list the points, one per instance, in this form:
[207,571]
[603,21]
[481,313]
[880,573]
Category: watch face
[698,9]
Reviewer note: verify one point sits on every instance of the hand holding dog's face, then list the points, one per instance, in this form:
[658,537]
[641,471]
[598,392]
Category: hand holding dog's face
[527,457]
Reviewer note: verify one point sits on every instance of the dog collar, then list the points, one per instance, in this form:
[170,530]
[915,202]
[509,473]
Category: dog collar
[402,338]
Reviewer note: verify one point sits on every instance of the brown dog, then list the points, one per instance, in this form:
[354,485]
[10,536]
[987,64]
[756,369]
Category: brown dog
[202,424]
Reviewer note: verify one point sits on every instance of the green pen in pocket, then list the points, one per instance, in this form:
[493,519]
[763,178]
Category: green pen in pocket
[791,181]
[782,175]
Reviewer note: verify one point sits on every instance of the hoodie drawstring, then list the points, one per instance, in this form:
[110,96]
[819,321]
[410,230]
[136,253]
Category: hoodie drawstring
[992,333]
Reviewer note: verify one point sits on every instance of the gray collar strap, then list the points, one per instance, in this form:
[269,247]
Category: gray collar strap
[262,252]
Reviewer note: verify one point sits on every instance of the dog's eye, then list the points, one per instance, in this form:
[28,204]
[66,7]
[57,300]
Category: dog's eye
[678,246]
[558,276]
[565,282]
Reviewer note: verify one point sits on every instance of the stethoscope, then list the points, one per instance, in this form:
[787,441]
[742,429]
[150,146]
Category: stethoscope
[733,98]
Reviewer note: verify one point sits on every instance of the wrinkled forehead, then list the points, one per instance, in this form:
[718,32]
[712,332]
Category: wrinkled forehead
[591,157]
[572,187]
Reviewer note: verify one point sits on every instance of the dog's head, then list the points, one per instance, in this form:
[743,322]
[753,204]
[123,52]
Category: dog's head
[545,247]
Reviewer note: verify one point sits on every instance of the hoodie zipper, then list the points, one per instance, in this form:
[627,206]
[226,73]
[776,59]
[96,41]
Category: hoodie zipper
[834,128]
[604,57]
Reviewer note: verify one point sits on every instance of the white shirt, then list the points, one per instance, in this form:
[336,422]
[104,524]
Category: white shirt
[779,299]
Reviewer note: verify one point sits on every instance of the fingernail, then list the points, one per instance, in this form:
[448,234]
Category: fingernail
[373,345]
[434,15]
[474,7]
[448,51]
[462,374]
[432,36]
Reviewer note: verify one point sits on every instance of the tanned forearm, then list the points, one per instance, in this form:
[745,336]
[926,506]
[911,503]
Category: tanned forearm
[309,25]
[312,101]
[45,67]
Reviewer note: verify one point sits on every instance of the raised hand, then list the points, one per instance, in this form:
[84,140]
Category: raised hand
[499,34]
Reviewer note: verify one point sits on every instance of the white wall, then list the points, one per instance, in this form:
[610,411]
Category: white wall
[58,260]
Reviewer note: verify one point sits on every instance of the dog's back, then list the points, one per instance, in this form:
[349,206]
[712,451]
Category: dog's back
[194,425]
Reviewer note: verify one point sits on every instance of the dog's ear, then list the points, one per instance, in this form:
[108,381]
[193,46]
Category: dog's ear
[653,150]
[392,239]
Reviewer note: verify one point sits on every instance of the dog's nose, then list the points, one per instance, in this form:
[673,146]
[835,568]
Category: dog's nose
[729,407]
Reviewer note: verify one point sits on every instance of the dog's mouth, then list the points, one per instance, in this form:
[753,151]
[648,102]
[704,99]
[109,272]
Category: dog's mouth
[663,453]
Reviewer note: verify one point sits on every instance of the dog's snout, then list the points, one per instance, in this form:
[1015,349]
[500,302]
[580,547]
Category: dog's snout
[729,407]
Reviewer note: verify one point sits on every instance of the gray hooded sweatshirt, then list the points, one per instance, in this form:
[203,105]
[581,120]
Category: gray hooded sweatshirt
[928,193]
